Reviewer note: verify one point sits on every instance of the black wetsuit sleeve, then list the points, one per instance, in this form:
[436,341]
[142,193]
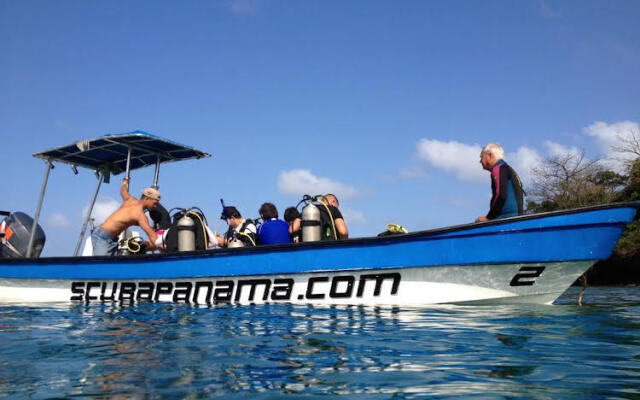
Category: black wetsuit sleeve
[499,186]
[335,212]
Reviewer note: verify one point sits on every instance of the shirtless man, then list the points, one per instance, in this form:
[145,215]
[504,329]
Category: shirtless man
[131,212]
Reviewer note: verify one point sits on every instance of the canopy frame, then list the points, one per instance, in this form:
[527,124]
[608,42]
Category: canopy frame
[113,150]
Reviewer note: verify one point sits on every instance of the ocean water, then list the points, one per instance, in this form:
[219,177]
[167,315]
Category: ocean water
[158,351]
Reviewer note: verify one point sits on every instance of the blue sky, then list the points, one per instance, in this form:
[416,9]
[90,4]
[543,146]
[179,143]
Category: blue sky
[386,103]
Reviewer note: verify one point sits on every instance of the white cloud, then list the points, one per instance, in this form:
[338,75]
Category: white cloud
[58,220]
[463,159]
[104,207]
[610,136]
[301,181]
[557,149]
[524,160]
[459,158]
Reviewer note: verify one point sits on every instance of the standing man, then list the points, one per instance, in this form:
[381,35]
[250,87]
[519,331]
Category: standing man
[506,187]
[131,212]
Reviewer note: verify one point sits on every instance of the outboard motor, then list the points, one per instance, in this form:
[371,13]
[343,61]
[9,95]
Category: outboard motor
[15,232]
[186,233]
[311,224]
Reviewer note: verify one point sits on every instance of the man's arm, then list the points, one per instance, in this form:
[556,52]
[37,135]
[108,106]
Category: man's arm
[143,222]
[501,180]
[295,226]
[124,190]
[341,228]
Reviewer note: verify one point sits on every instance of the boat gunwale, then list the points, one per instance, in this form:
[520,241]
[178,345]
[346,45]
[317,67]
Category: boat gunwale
[333,243]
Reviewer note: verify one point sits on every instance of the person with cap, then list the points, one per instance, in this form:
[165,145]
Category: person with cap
[244,230]
[130,212]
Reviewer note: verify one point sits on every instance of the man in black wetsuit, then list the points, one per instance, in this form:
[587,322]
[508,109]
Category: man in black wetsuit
[506,188]
[331,205]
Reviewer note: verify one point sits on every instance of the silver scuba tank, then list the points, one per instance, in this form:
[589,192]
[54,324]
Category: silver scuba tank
[186,234]
[234,242]
[311,230]
[123,250]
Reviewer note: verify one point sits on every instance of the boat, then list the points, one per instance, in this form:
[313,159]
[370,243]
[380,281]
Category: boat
[524,259]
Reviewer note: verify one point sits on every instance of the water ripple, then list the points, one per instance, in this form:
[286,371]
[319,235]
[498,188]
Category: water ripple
[155,351]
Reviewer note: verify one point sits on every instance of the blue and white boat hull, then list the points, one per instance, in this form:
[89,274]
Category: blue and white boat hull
[522,259]
[505,283]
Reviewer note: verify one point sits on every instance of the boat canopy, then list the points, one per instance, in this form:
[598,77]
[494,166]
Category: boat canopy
[111,155]
[108,154]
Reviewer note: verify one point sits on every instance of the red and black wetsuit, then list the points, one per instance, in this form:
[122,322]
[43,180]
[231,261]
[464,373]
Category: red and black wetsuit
[507,192]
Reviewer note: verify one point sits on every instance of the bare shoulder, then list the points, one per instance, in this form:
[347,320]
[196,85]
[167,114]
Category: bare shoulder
[133,206]
[132,203]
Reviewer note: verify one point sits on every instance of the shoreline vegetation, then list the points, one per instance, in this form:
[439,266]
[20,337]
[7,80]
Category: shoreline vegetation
[571,180]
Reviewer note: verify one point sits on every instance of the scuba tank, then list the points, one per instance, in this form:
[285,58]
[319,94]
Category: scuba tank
[187,231]
[130,243]
[235,242]
[186,234]
[311,229]
[124,236]
[242,238]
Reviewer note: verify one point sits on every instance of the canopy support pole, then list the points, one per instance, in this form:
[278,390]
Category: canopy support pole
[86,220]
[155,177]
[37,215]
[129,164]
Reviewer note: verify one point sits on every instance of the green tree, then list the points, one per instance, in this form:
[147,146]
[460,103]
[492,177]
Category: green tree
[628,247]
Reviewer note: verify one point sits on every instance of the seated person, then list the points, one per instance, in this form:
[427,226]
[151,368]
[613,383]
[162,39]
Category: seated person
[160,217]
[272,230]
[245,230]
[293,218]
[330,205]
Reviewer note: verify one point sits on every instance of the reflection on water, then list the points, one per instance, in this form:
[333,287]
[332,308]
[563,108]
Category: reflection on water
[178,351]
